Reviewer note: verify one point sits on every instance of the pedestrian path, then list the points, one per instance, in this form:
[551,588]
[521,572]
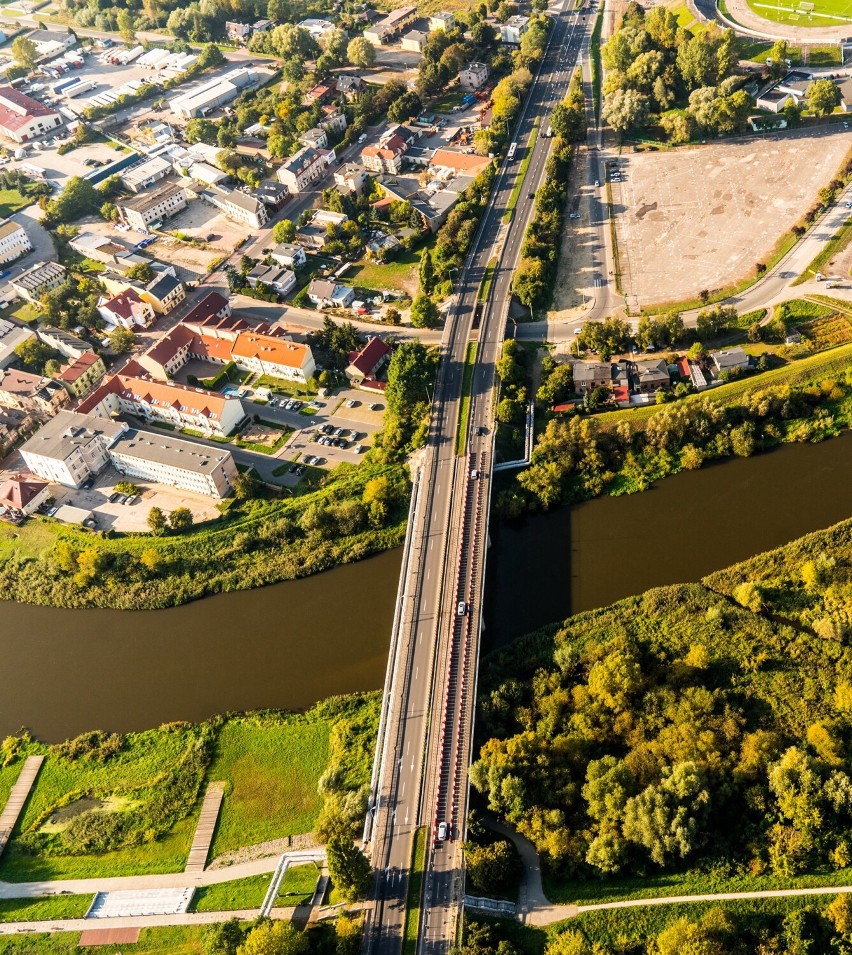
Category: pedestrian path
[203,837]
[17,798]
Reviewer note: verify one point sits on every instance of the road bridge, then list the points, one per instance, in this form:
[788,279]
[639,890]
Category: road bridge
[424,749]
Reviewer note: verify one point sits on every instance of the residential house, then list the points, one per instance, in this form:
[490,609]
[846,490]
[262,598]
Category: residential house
[316,137]
[213,305]
[237,205]
[651,375]
[304,168]
[38,279]
[130,392]
[446,161]
[589,375]
[350,86]
[279,279]
[32,393]
[272,194]
[473,76]
[315,233]
[237,32]
[68,345]
[729,360]
[318,94]
[277,357]
[317,27]
[385,156]
[351,178]
[388,27]
[369,361]
[442,21]
[414,41]
[334,120]
[12,335]
[14,425]
[164,292]
[432,202]
[289,254]
[127,310]
[80,374]
[14,241]
[326,294]
[514,28]
[24,494]
[150,207]
[23,118]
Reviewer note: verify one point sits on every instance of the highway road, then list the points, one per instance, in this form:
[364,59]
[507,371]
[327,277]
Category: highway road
[424,740]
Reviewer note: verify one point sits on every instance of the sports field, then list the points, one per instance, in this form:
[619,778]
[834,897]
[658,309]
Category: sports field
[804,13]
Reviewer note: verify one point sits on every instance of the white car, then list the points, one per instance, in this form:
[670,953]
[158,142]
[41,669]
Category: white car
[362,138]
[461,609]
[443,831]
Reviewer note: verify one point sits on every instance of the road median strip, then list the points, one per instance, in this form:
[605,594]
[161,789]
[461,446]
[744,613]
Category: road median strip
[464,405]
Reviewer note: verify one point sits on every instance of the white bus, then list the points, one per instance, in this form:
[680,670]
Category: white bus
[512,150]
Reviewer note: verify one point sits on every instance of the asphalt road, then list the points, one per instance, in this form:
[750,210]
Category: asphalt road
[431,675]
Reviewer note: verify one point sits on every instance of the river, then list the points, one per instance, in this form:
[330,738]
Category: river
[285,646]
[547,566]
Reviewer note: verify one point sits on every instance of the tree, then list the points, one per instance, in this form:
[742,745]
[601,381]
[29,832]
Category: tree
[156,521]
[126,25]
[360,52]
[424,312]
[151,559]
[24,51]
[121,340]
[822,97]
[348,867]
[407,106]
[180,519]
[34,354]
[696,60]
[223,938]
[625,109]
[245,486]
[778,59]
[493,867]
[284,231]
[274,938]
[427,273]
[202,131]
[141,272]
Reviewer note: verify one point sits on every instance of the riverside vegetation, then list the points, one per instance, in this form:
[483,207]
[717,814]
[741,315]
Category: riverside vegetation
[579,457]
[694,738]
[357,511]
[111,804]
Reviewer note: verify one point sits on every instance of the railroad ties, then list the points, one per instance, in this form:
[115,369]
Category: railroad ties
[457,700]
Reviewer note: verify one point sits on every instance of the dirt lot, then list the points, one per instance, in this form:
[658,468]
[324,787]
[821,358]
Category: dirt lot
[700,218]
[133,517]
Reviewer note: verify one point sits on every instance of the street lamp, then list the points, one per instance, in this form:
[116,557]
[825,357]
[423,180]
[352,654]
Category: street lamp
[577,332]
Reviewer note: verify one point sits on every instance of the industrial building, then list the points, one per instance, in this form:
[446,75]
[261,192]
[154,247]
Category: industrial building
[216,92]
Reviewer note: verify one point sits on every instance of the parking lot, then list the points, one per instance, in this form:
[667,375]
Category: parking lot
[700,218]
[132,516]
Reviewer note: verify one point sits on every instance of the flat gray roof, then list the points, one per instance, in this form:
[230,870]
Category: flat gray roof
[172,452]
[58,436]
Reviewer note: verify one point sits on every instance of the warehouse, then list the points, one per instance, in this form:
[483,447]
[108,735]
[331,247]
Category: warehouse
[216,92]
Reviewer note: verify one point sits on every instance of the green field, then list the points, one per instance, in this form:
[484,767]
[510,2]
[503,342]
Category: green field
[825,13]
[54,907]
[175,940]
[298,886]
[399,274]
[272,767]
[231,896]
[12,201]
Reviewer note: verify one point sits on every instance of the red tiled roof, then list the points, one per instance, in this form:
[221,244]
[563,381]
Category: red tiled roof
[461,162]
[209,306]
[17,492]
[276,351]
[125,304]
[683,367]
[77,368]
[17,109]
[157,393]
[370,355]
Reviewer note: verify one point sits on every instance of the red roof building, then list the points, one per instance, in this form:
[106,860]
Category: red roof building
[24,494]
[367,362]
[23,118]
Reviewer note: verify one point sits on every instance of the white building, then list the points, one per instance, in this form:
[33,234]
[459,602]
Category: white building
[326,294]
[279,279]
[442,21]
[12,335]
[14,241]
[127,309]
[237,205]
[149,207]
[23,118]
[289,254]
[216,92]
[473,76]
[514,28]
[304,167]
[163,459]
[137,178]
[316,27]
[71,447]
[38,279]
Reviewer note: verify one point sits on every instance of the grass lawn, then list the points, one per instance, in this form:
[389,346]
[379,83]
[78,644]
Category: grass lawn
[174,940]
[53,907]
[272,778]
[298,886]
[446,103]
[812,368]
[415,890]
[487,279]
[282,386]
[25,312]
[12,201]
[400,274]
[231,896]
[684,16]
[464,410]
[825,13]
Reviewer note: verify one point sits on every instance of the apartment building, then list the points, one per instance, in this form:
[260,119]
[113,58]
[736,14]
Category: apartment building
[38,279]
[304,168]
[82,373]
[149,207]
[32,393]
[14,241]
[71,447]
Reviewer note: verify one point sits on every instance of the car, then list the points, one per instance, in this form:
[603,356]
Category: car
[362,138]
[461,609]
[326,429]
[375,407]
[341,442]
[443,831]
[573,215]
[338,432]
[351,403]
[481,430]
[120,498]
[474,473]
[309,459]
[358,449]
[296,404]
[354,434]
[293,469]
[272,402]
[597,182]
[114,497]
[132,499]
[300,469]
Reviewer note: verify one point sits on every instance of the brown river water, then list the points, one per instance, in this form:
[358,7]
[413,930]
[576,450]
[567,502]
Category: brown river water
[285,646]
